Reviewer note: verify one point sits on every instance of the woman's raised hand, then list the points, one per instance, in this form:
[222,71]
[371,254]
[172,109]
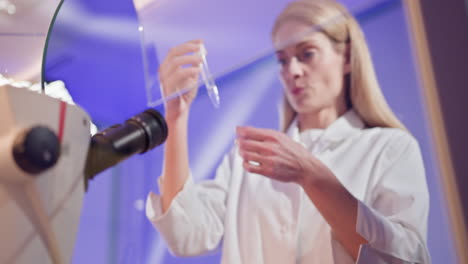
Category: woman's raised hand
[180,70]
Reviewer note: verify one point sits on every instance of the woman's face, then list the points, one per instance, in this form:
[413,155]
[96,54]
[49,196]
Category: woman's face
[312,70]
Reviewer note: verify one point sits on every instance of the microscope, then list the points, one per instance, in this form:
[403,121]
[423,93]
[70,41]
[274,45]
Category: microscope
[47,153]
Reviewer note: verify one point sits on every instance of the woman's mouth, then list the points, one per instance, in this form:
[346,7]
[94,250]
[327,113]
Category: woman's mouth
[297,90]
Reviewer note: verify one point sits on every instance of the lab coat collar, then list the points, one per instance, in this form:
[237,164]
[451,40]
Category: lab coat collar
[346,125]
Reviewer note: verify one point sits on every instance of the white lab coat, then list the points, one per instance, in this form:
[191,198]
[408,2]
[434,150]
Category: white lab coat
[258,220]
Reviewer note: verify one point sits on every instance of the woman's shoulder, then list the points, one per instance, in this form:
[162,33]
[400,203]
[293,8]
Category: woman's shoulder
[389,134]
[394,141]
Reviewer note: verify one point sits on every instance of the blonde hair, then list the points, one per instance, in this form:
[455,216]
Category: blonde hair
[363,90]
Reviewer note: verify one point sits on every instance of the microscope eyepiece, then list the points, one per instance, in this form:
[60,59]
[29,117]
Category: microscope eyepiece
[154,126]
[138,134]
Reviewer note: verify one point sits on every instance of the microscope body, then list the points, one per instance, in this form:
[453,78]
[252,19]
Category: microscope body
[47,153]
[40,210]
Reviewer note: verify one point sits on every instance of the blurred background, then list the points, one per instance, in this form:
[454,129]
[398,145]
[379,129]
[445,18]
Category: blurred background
[96,49]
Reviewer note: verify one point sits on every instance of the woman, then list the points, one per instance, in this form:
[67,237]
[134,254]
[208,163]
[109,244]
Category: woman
[345,183]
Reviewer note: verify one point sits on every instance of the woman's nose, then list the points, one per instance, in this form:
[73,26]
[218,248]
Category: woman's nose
[294,68]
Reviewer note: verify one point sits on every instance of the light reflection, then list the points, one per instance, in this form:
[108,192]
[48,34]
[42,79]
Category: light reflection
[7,7]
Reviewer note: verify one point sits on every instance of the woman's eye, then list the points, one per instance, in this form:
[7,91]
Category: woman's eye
[282,61]
[307,55]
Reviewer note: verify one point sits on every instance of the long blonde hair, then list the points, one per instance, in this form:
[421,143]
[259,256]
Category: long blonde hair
[363,91]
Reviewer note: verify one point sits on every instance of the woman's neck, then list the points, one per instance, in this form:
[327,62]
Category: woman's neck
[320,119]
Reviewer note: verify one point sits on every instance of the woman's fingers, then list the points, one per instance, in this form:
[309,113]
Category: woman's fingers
[252,156]
[179,70]
[187,47]
[259,148]
[264,148]
[258,134]
[266,168]
[259,160]
[252,168]
[172,65]
[173,57]
[181,79]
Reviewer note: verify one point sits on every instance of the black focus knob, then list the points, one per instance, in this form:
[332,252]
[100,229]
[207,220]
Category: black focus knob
[36,149]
